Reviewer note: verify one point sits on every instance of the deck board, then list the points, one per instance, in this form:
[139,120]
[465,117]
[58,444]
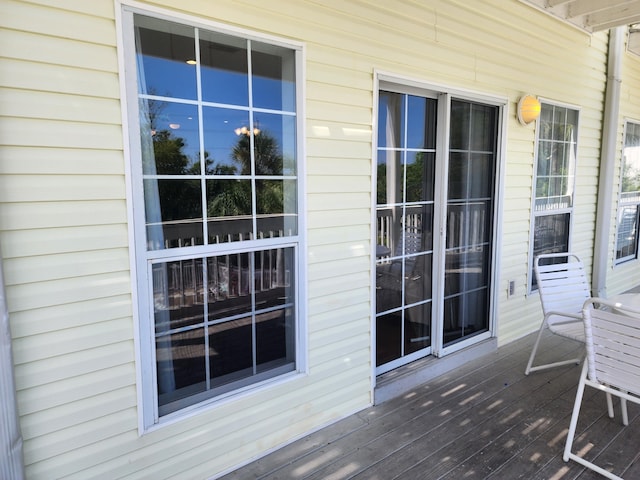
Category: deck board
[486,419]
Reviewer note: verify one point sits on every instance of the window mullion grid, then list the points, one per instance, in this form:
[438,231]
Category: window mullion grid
[403,219]
[254,200]
[203,181]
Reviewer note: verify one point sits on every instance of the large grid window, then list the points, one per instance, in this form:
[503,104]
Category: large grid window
[214,165]
[554,180]
[629,203]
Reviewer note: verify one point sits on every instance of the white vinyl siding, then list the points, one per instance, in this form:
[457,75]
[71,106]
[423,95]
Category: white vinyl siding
[67,271]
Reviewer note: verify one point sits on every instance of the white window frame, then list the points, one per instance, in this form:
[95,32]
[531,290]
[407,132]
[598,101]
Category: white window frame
[559,211]
[622,202]
[141,294]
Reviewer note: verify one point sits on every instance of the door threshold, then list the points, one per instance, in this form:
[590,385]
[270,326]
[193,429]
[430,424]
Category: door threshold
[402,379]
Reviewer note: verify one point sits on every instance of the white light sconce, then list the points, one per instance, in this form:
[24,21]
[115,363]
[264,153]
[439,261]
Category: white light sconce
[528,109]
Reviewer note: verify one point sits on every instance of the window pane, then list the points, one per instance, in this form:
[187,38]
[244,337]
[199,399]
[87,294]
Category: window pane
[164,49]
[274,339]
[419,176]
[627,241]
[417,278]
[417,326]
[273,74]
[223,62]
[388,285]
[178,294]
[483,128]
[551,234]
[460,125]
[230,351]
[418,224]
[421,121]
[390,181]
[229,285]
[390,120]
[173,130]
[226,146]
[181,367]
[173,210]
[274,278]
[274,142]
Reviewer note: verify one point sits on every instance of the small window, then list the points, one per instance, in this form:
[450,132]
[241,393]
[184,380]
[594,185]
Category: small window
[629,202]
[215,210]
[554,181]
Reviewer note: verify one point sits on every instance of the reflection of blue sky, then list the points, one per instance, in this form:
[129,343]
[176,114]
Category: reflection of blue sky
[394,111]
[168,78]
[223,86]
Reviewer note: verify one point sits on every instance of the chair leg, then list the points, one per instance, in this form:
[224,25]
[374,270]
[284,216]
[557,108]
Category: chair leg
[574,416]
[535,347]
[610,405]
[623,406]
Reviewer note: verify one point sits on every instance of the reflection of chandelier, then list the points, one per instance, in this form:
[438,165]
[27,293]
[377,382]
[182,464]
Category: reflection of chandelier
[245,131]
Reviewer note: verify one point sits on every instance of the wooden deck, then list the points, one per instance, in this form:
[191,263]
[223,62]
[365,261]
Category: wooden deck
[484,420]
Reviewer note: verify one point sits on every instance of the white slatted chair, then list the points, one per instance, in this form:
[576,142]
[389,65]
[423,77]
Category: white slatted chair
[563,288]
[612,338]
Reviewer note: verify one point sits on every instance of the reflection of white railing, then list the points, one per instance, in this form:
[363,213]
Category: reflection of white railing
[189,232]
[181,283]
[466,227]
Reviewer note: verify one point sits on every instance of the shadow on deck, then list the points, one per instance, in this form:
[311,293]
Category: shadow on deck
[486,419]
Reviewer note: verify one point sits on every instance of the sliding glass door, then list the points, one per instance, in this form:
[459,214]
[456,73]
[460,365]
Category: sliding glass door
[436,168]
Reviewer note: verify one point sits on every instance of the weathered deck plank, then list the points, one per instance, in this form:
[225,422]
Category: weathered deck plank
[484,420]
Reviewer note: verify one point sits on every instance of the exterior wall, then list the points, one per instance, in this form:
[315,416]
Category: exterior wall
[621,277]
[63,211]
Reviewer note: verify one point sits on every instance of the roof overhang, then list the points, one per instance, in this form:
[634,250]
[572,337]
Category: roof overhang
[591,15]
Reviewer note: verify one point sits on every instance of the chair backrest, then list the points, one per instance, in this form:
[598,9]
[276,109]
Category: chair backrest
[562,284]
[612,337]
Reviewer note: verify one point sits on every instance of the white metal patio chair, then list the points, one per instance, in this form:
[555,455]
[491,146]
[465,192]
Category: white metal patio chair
[563,289]
[612,338]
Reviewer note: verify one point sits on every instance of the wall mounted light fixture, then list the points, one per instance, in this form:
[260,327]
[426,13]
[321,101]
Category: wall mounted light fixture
[528,109]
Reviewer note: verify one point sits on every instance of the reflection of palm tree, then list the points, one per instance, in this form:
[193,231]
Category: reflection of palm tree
[233,197]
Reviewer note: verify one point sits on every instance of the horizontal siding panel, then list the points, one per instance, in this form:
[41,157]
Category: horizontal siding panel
[60,161]
[74,413]
[49,188]
[53,106]
[324,130]
[330,319]
[51,133]
[61,79]
[61,367]
[338,94]
[70,439]
[102,9]
[340,283]
[43,49]
[323,110]
[336,303]
[78,339]
[342,201]
[319,166]
[68,265]
[359,233]
[339,218]
[70,390]
[39,214]
[329,184]
[71,315]
[69,290]
[338,251]
[57,23]
[343,75]
[64,240]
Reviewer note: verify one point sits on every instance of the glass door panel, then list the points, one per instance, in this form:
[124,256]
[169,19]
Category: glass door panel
[404,240]
[469,220]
